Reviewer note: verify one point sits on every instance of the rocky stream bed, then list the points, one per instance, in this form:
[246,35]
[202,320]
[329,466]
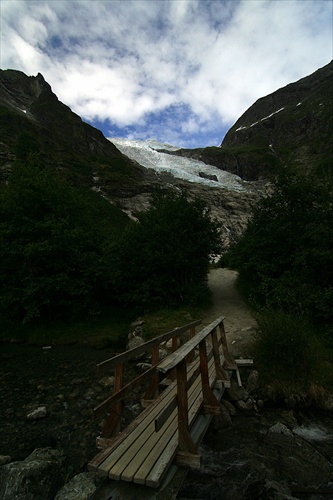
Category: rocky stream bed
[254,451]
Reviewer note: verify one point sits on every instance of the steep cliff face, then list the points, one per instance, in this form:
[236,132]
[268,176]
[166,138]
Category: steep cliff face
[33,120]
[293,124]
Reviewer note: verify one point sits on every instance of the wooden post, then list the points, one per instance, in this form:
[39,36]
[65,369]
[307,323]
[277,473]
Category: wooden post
[112,425]
[152,390]
[173,373]
[187,454]
[221,374]
[230,363]
[211,404]
[190,357]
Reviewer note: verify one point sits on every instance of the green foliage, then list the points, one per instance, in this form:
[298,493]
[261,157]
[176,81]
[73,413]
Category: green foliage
[289,351]
[164,260]
[285,255]
[286,345]
[53,246]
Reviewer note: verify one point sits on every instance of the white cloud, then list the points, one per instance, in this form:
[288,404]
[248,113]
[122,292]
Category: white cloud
[125,59]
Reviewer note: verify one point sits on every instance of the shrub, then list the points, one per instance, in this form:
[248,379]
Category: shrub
[287,348]
[53,246]
[164,259]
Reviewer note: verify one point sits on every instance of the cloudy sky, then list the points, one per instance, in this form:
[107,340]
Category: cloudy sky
[179,71]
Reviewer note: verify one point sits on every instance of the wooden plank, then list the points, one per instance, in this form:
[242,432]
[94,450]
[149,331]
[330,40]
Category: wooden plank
[111,363]
[151,411]
[192,373]
[156,474]
[166,449]
[244,362]
[140,459]
[173,359]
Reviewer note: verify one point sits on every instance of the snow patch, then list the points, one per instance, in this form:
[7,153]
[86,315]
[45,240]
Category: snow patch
[243,127]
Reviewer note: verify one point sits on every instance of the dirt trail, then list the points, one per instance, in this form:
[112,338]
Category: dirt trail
[226,301]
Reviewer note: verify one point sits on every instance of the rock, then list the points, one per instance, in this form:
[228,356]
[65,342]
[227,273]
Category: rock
[5,459]
[277,491]
[222,421]
[36,478]
[168,344]
[236,393]
[80,487]
[106,382]
[211,177]
[144,366]
[253,382]
[245,405]
[229,406]
[39,412]
[162,353]
[280,428]
[326,403]
[136,323]
[134,342]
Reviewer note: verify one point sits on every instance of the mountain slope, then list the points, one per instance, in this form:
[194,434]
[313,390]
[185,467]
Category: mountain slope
[293,124]
[33,120]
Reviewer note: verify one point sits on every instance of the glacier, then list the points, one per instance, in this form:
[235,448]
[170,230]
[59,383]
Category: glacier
[146,154]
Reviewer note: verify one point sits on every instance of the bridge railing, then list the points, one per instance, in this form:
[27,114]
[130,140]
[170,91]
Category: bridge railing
[113,405]
[210,342]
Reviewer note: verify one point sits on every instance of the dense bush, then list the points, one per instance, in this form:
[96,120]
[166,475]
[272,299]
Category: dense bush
[285,256]
[65,252]
[53,240]
[164,259]
[287,347]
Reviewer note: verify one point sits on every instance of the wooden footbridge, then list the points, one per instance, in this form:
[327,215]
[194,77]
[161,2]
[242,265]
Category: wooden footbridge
[181,394]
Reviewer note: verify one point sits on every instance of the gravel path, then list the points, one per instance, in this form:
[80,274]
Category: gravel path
[226,301]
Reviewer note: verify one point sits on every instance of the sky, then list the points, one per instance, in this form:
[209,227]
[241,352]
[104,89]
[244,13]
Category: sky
[178,71]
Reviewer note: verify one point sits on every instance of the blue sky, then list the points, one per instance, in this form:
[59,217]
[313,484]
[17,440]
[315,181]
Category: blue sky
[178,71]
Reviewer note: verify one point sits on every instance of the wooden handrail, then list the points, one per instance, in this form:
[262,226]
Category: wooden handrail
[114,402]
[178,356]
[111,363]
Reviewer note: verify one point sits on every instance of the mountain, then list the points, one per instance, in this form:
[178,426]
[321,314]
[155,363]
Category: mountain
[293,124]
[33,120]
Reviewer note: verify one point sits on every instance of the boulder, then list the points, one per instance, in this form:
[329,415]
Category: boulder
[136,341]
[39,412]
[5,459]
[236,392]
[38,477]
[211,177]
[252,384]
[80,487]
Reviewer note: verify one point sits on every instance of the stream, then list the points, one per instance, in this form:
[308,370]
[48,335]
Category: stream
[238,462]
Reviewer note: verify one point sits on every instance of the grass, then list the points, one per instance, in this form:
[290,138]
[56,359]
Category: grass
[164,320]
[108,330]
[292,356]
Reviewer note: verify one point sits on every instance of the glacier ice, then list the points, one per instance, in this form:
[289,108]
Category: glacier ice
[146,154]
